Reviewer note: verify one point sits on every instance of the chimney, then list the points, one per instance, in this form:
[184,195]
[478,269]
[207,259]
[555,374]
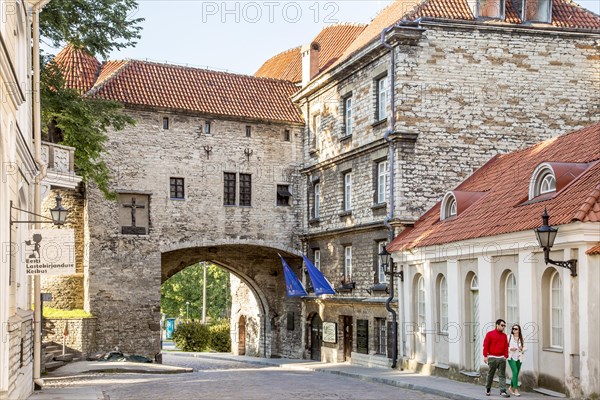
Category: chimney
[310,62]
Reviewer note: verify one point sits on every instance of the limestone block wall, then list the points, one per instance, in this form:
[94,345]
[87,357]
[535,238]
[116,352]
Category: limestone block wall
[125,271]
[244,304]
[68,291]
[468,93]
[81,338]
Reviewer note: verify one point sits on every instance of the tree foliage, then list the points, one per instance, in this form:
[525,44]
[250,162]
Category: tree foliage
[99,26]
[186,286]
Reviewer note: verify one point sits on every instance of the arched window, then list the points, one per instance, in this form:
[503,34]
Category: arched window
[443,304]
[511,296]
[448,206]
[421,303]
[556,311]
[542,181]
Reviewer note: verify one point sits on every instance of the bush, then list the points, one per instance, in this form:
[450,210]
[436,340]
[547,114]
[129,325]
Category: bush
[194,336]
[220,339]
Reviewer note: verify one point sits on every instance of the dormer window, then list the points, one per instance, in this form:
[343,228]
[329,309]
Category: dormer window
[538,10]
[449,208]
[542,181]
[490,9]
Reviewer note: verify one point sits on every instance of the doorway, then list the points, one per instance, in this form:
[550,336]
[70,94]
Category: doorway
[242,336]
[347,337]
[316,337]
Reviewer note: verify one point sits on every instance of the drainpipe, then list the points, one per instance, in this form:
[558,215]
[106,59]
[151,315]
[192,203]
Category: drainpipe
[390,216]
[37,145]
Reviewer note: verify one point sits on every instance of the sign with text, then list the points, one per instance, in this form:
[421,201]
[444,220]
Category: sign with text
[330,332]
[49,252]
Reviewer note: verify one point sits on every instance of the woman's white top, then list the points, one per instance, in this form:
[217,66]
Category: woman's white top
[517,354]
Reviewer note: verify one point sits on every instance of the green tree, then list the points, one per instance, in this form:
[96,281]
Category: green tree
[99,26]
[186,286]
[72,119]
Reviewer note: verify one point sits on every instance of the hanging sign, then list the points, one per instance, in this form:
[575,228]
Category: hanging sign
[49,252]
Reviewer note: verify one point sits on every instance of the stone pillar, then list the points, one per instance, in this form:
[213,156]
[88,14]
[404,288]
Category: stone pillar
[529,298]
[456,331]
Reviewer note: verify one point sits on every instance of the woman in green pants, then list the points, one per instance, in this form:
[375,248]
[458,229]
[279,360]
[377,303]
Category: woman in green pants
[516,351]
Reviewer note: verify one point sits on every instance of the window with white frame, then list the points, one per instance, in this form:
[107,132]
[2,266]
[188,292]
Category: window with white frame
[315,128]
[348,191]
[449,206]
[317,200]
[556,311]
[542,181]
[381,278]
[538,10]
[382,181]
[382,96]
[317,259]
[421,303]
[512,299]
[443,304]
[491,8]
[348,116]
[380,336]
[347,264]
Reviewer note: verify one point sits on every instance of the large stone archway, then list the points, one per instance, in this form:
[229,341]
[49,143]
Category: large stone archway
[259,268]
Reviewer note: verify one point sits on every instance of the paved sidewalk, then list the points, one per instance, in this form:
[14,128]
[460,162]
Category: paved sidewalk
[67,393]
[406,380]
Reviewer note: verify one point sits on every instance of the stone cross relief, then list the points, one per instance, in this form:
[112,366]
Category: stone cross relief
[133,229]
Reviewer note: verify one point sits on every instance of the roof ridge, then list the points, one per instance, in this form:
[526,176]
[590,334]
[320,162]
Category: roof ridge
[95,88]
[187,67]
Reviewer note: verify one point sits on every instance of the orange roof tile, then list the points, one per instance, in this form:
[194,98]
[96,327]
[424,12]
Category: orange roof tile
[505,179]
[565,14]
[333,40]
[175,87]
[286,65]
[594,250]
[78,67]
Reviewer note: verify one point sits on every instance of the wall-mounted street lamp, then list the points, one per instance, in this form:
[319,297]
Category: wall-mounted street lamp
[545,236]
[388,268]
[59,214]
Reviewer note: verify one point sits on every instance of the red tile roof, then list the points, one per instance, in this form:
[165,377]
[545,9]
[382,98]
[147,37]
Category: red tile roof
[594,250]
[333,40]
[180,88]
[286,65]
[565,14]
[505,180]
[78,67]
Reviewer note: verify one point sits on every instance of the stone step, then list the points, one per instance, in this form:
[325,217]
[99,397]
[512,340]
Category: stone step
[67,357]
[48,357]
[52,365]
[549,392]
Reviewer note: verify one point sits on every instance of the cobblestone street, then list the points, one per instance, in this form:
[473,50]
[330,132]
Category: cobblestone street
[222,379]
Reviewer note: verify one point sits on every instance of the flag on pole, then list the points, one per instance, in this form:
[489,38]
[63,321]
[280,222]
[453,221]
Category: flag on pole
[320,284]
[293,286]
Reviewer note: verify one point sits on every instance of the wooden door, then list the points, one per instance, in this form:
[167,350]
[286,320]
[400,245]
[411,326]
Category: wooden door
[347,337]
[316,337]
[242,336]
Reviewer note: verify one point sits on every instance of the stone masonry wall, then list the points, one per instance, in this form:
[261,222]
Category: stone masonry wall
[67,291]
[81,338]
[124,273]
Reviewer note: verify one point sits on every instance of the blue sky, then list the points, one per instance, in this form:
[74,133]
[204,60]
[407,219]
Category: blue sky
[238,36]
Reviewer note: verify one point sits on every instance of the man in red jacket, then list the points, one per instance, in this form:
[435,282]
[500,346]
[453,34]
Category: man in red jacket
[495,353]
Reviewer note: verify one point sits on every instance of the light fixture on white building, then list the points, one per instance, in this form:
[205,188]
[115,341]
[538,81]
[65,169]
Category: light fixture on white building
[386,263]
[545,236]
[59,214]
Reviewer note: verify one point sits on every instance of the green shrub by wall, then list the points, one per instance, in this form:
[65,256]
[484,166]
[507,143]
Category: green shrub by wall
[194,336]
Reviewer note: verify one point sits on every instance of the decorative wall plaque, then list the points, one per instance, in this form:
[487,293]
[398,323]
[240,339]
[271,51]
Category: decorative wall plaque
[362,336]
[330,332]
[133,213]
